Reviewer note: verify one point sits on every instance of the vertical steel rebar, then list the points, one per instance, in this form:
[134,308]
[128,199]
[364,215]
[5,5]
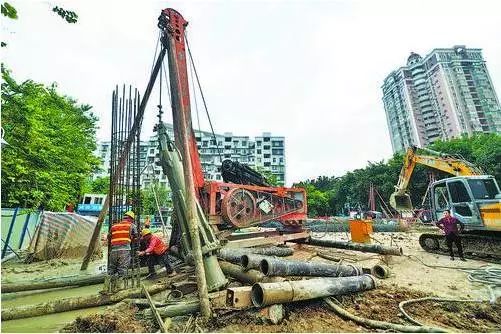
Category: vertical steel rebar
[125,187]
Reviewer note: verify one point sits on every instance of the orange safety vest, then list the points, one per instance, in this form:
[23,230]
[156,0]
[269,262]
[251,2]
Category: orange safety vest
[120,233]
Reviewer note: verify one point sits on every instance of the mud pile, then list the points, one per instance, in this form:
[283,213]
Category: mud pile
[380,304]
[118,320]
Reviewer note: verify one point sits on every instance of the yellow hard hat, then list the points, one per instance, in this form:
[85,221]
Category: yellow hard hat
[145,231]
[130,214]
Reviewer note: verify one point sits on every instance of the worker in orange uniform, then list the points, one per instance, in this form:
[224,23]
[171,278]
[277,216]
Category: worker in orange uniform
[121,235]
[147,222]
[156,252]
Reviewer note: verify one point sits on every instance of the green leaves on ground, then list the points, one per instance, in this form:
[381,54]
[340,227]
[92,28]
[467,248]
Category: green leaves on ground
[327,196]
[51,142]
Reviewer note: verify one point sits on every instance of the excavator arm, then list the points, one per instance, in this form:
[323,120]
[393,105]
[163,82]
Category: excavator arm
[453,165]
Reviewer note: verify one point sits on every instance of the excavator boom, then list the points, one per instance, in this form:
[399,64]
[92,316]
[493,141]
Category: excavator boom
[454,165]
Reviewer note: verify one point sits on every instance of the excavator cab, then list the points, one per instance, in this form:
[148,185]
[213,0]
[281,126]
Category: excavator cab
[401,201]
[474,200]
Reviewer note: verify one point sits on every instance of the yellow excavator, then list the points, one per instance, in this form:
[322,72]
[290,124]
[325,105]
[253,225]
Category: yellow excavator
[472,197]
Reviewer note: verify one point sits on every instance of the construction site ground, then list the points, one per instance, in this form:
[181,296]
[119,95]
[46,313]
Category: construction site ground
[409,279]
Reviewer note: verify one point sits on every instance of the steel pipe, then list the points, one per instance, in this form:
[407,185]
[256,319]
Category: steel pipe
[249,277]
[234,255]
[380,249]
[380,271]
[252,261]
[263,294]
[281,267]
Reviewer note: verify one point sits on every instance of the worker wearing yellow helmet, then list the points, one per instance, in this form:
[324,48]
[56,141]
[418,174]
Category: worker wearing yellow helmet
[156,252]
[122,233]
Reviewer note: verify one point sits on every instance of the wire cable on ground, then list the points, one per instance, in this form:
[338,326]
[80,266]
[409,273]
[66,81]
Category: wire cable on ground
[490,276]
[335,307]
[435,299]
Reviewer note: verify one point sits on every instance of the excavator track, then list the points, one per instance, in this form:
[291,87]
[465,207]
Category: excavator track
[475,246]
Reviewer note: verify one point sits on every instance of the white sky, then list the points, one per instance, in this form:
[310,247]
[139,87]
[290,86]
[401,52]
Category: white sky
[308,70]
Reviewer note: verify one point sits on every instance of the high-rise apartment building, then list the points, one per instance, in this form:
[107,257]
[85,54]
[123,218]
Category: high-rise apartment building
[441,96]
[265,152]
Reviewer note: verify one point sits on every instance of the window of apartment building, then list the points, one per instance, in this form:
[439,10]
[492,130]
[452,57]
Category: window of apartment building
[274,160]
[267,164]
[277,151]
[151,159]
[227,147]
[267,156]
[227,156]
[152,150]
[235,143]
[244,143]
[281,160]
[227,139]
[266,139]
[258,160]
[258,151]
[212,142]
[277,143]
[258,143]
[266,147]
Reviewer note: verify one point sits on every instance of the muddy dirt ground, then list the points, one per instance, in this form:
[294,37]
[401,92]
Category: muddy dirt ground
[410,278]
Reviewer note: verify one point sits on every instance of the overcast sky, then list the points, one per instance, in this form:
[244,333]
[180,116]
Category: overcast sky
[308,70]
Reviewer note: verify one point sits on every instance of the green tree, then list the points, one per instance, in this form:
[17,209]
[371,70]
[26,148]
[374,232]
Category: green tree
[51,142]
[483,150]
[148,202]
[268,175]
[100,185]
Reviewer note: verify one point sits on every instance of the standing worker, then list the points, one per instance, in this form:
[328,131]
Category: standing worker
[121,235]
[156,252]
[449,225]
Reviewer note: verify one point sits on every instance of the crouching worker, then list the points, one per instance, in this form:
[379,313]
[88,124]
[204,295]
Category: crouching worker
[156,252]
[122,234]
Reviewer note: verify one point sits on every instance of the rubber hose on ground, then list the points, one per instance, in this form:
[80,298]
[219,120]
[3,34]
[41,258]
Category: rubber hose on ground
[380,324]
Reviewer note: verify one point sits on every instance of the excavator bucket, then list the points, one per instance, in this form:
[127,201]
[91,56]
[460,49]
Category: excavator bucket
[401,202]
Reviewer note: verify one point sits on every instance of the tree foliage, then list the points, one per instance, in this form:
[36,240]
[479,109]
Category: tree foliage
[9,11]
[51,142]
[68,15]
[329,195]
[148,202]
[100,185]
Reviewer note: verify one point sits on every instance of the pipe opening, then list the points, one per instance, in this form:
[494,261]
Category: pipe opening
[245,261]
[264,266]
[380,271]
[257,295]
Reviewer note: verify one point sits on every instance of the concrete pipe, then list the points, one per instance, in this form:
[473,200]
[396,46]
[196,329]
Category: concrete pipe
[379,249]
[252,261]
[263,294]
[281,267]
[234,255]
[380,271]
